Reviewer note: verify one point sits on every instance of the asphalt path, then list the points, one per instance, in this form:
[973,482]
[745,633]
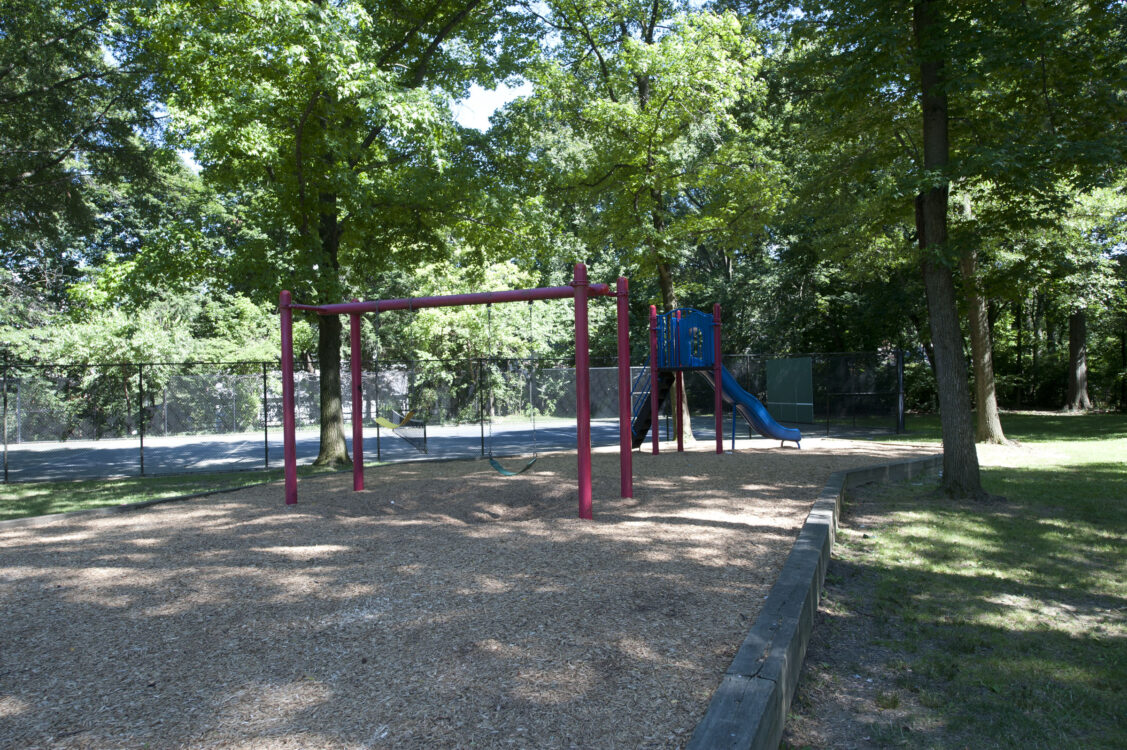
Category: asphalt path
[93,459]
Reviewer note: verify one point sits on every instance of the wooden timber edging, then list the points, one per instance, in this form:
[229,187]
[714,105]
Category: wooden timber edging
[749,708]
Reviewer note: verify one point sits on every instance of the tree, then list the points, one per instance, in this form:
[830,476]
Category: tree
[1085,277]
[75,112]
[969,93]
[633,122]
[334,115]
[632,131]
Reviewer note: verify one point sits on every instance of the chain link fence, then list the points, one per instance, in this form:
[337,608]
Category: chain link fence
[854,393]
[63,421]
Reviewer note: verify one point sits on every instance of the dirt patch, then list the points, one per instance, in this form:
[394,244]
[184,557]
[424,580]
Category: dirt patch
[445,606]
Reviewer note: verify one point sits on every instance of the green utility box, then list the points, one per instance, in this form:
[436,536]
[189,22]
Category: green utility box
[790,389]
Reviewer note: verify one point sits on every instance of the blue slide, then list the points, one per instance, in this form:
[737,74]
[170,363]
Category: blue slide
[751,408]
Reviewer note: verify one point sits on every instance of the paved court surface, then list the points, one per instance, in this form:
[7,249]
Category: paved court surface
[88,459]
[95,459]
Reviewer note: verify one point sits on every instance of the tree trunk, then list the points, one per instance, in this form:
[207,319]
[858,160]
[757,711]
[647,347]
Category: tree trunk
[988,427]
[1035,344]
[668,303]
[1123,373]
[960,459]
[1019,323]
[333,450]
[1078,362]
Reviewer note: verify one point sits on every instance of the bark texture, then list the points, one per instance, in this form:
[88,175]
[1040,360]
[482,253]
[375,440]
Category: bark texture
[988,426]
[960,459]
[334,450]
[1077,399]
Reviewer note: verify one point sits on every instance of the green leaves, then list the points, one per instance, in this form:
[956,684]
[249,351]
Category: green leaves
[632,129]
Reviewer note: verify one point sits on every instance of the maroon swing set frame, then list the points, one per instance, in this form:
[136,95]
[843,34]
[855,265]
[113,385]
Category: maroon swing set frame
[580,290]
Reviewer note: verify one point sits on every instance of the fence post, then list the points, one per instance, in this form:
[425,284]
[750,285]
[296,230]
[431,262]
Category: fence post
[141,413]
[265,421]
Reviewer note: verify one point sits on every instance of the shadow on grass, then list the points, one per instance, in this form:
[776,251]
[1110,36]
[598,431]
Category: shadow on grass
[1004,662]
[1033,427]
[980,625]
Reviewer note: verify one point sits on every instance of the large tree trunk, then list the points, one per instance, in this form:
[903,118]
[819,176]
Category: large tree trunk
[960,459]
[683,421]
[988,428]
[1078,362]
[333,450]
[1123,374]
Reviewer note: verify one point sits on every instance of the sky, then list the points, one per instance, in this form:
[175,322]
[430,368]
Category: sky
[474,110]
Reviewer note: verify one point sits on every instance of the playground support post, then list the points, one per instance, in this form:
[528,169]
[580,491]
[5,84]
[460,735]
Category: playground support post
[265,418]
[679,420]
[679,377]
[625,440]
[357,403]
[582,391]
[289,439]
[5,416]
[717,365]
[653,378]
[141,415]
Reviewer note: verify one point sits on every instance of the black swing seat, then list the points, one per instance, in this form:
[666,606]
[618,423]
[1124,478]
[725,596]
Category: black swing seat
[506,472]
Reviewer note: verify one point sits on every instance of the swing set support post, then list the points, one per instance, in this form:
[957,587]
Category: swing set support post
[625,440]
[357,403]
[580,290]
[289,437]
[653,377]
[582,390]
[679,377]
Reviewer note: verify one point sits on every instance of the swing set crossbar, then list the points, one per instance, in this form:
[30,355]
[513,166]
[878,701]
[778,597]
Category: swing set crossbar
[580,290]
[456,300]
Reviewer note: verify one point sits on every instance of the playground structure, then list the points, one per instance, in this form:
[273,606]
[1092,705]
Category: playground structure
[688,340]
[580,290]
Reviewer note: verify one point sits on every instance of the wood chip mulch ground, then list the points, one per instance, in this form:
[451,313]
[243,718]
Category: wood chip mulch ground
[445,606]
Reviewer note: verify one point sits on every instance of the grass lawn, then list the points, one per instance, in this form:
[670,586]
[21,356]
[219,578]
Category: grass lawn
[22,499]
[1002,624]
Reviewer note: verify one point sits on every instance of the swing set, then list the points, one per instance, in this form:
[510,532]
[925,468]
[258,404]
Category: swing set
[500,469]
[580,290]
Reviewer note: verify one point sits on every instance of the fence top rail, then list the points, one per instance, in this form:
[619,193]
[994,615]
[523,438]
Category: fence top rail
[792,355]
